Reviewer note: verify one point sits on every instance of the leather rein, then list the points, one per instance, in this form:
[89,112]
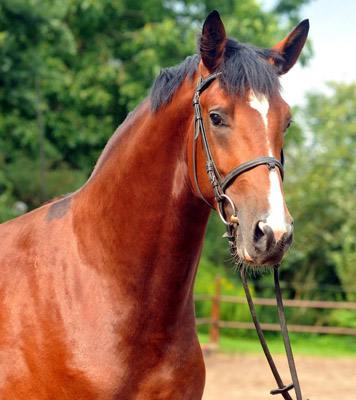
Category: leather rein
[219,185]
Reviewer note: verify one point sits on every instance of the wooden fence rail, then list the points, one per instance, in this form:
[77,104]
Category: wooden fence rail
[216,324]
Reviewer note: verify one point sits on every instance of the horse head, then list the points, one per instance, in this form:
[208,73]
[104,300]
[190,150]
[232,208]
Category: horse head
[244,119]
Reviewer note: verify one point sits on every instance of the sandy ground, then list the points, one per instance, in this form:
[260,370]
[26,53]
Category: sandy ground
[247,377]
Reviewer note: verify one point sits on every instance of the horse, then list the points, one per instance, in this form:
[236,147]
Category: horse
[96,287]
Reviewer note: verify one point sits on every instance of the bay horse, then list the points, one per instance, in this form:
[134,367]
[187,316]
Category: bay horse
[96,288]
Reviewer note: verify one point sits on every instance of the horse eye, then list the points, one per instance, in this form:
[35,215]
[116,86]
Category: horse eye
[215,119]
[289,124]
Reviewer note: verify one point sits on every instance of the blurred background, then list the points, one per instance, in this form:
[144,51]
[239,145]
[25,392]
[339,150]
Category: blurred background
[71,70]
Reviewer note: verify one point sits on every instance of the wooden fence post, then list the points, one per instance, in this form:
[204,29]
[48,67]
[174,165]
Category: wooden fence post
[215,312]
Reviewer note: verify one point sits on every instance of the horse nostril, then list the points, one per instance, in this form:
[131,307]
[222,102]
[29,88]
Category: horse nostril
[263,236]
[259,233]
[267,244]
[289,236]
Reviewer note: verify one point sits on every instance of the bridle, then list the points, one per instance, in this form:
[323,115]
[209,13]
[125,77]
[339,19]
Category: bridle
[219,185]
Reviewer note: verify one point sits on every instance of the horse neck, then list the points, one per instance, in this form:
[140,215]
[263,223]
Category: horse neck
[139,205]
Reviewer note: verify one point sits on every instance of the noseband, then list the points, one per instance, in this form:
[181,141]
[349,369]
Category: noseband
[219,183]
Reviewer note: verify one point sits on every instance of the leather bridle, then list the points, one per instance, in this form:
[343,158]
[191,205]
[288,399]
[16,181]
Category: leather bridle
[219,185]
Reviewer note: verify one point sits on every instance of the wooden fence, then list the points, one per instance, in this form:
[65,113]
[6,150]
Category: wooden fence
[216,324]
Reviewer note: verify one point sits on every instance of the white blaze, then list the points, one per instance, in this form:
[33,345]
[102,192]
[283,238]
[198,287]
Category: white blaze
[260,104]
[276,215]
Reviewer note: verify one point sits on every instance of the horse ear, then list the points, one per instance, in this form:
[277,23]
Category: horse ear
[291,47]
[212,41]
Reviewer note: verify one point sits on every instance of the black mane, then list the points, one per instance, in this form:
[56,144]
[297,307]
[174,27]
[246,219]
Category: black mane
[243,66]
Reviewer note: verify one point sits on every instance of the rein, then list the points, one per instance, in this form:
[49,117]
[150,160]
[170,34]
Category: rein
[219,185]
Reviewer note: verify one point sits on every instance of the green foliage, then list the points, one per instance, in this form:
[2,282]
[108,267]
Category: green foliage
[6,199]
[230,286]
[26,184]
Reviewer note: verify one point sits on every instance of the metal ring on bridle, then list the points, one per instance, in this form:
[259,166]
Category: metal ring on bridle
[221,210]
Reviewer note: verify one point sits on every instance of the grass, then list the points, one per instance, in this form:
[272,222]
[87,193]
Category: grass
[302,344]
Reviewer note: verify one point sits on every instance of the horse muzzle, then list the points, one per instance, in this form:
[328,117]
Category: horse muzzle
[264,245]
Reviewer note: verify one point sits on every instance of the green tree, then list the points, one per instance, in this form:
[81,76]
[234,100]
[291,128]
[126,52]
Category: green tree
[34,45]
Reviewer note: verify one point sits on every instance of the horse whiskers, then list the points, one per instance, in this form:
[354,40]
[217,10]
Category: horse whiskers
[250,270]
[256,271]
[238,263]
